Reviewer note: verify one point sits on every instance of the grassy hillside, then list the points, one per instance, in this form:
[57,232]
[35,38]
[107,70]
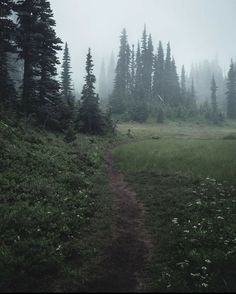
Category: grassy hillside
[55,210]
[185,176]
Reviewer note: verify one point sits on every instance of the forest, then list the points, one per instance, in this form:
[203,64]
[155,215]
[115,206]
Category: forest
[125,184]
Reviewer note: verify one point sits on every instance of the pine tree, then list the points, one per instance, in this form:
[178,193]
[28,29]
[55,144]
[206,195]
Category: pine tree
[183,85]
[90,117]
[7,30]
[132,71]
[27,41]
[140,108]
[158,76]
[167,75]
[39,44]
[231,92]
[213,97]
[66,80]
[121,86]
[147,64]
[174,86]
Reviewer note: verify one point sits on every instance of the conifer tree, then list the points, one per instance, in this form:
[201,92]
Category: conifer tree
[167,75]
[213,97]
[66,80]
[158,76]
[39,44]
[90,117]
[7,30]
[174,86]
[140,108]
[121,86]
[147,64]
[231,92]
[27,42]
[183,84]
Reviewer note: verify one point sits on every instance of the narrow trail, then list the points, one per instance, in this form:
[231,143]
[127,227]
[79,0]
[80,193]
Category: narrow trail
[130,247]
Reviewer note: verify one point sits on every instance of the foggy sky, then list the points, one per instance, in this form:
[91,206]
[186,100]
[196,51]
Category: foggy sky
[196,29]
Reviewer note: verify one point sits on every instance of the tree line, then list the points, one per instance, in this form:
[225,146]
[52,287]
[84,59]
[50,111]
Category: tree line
[147,84]
[44,99]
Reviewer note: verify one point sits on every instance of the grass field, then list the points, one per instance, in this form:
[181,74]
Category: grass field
[185,174]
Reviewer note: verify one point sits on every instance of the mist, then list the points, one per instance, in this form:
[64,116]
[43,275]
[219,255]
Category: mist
[196,29]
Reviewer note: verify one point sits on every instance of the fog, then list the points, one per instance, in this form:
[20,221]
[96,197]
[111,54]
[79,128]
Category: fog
[196,29]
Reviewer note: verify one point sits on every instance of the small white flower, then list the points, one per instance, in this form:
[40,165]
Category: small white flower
[205,285]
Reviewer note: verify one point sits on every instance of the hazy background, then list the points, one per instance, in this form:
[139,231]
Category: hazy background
[196,29]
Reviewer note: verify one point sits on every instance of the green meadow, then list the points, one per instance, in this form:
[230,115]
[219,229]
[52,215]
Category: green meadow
[185,174]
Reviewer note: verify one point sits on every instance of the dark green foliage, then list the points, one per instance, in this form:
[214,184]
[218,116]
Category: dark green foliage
[39,45]
[158,75]
[90,117]
[67,106]
[140,106]
[231,92]
[70,135]
[147,65]
[7,31]
[120,93]
[48,201]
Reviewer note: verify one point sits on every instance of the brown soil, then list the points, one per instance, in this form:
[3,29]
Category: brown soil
[127,256]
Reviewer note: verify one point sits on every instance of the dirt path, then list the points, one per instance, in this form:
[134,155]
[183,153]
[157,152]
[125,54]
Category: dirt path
[130,247]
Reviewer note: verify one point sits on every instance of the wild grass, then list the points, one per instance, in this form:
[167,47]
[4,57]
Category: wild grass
[213,158]
[186,179]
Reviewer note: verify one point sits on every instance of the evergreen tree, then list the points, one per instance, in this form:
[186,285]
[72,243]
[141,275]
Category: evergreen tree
[167,75]
[66,80]
[90,117]
[158,76]
[183,85]
[231,92]
[213,97]
[174,90]
[132,71]
[7,30]
[140,108]
[147,64]
[39,45]
[28,41]
[121,86]
[67,109]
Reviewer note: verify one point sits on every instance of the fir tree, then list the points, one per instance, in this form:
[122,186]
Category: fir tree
[7,30]
[121,86]
[39,45]
[183,85]
[27,41]
[140,108]
[158,76]
[231,92]
[147,64]
[67,109]
[90,117]
[66,80]
[174,90]
[167,75]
